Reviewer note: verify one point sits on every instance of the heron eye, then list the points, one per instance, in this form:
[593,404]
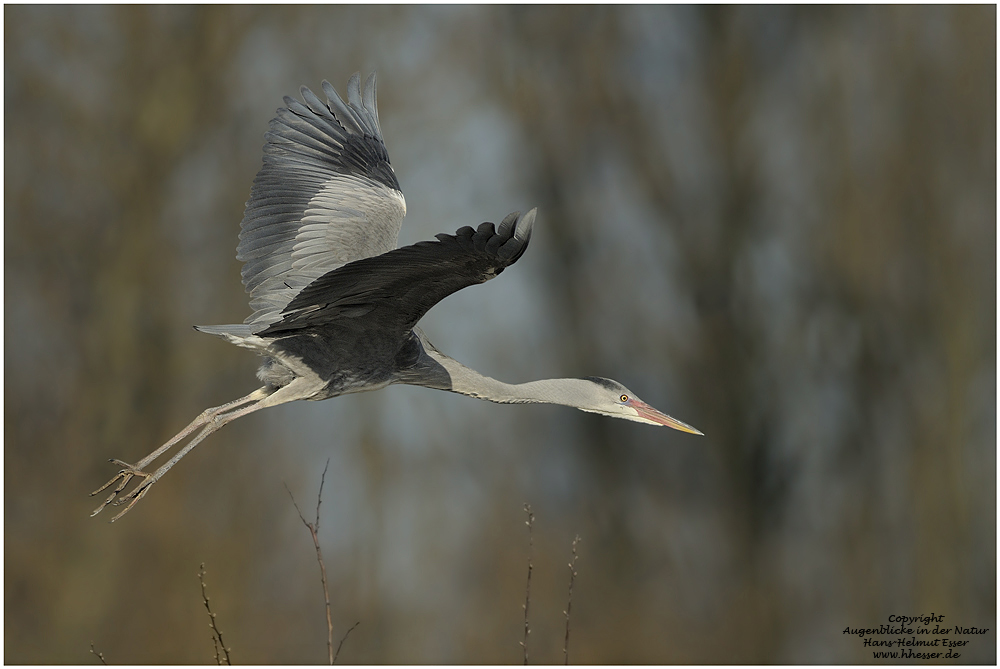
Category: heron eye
[624,398]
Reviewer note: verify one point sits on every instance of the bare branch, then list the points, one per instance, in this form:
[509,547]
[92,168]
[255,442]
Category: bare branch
[335,655]
[216,634]
[569,599]
[527,587]
[314,531]
[99,656]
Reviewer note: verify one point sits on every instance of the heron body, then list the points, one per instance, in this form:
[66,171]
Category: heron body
[335,303]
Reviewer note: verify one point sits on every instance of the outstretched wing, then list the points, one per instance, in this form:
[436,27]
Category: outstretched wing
[391,292]
[326,196]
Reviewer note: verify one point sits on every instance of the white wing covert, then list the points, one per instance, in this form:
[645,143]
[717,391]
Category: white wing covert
[326,196]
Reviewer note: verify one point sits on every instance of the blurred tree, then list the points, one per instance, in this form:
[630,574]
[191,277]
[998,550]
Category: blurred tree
[779,222]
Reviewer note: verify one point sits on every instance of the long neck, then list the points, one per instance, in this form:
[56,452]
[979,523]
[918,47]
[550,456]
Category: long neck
[470,382]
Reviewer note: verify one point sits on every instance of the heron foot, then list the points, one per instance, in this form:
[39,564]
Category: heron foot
[125,476]
[208,422]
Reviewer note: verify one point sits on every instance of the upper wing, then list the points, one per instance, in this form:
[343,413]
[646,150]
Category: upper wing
[326,196]
[391,292]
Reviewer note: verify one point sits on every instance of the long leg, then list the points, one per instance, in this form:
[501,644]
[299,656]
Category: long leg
[149,479]
[206,416]
[210,421]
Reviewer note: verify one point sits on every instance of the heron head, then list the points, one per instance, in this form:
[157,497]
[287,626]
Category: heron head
[610,398]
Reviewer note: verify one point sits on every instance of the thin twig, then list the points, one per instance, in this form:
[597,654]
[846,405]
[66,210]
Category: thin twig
[527,587]
[215,645]
[216,634]
[100,656]
[335,655]
[314,531]
[569,600]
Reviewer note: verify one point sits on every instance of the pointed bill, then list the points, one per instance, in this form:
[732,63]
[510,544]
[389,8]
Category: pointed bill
[659,418]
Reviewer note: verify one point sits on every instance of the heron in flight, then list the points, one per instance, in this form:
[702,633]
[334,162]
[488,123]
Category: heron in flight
[335,303]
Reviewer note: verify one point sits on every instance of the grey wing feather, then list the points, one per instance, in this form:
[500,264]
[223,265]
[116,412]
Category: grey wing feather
[325,196]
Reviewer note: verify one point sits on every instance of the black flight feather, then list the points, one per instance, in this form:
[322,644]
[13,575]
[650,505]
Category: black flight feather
[394,290]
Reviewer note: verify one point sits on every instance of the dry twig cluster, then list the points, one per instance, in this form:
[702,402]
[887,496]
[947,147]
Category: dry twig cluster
[527,587]
[569,599]
[99,656]
[216,634]
[314,531]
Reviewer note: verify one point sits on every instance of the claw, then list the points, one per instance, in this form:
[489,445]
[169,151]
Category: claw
[126,474]
[137,494]
[208,422]
[117,476]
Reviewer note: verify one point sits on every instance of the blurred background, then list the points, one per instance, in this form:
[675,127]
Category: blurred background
[776,224]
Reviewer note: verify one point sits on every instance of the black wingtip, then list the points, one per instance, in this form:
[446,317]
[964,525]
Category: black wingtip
[514,247]
[507,224]
[524,225]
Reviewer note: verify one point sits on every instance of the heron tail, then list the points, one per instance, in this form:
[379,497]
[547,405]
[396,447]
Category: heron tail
[242,330]
[241,334]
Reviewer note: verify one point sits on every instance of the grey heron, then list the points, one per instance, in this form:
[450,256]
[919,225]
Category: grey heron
[335,303]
